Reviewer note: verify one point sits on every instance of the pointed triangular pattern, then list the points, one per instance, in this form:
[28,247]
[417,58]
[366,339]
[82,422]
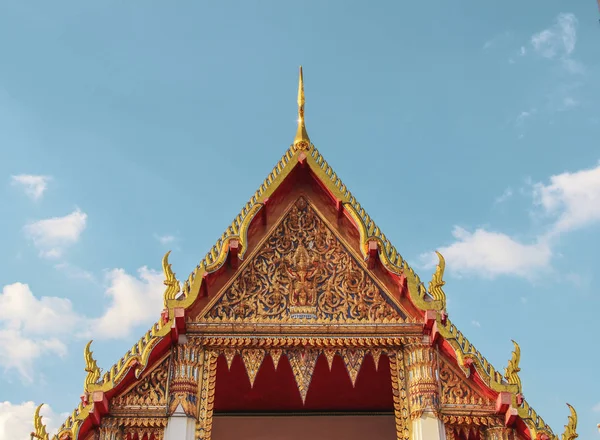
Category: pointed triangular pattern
[253,359]
[303,271]
[229,354]
[353,360]
[329,355]
[303,365]
[275,356]
[376,354]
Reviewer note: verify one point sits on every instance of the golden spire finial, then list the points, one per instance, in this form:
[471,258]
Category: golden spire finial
[39,429]
[571,427]
[301,141]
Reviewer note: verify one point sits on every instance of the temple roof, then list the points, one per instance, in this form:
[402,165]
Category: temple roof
[430,301]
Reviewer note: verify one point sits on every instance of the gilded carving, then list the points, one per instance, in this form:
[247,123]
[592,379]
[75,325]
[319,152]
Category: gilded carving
[499,433]
[39,428]
[329,354]
[275,356]
[183,388]
[570,432]
[229,354]
[421,364]
[304,272]
[353,359]
[376,354]
[456,391]
[400,395]
[207,395]
[303,364]
[253,359]
[91,368]
[150,391]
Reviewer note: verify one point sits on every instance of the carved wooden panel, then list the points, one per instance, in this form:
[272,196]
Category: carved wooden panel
[456,389]
[303,271]
[150,392]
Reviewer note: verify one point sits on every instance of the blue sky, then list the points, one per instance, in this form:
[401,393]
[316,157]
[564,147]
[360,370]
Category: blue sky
[130,129]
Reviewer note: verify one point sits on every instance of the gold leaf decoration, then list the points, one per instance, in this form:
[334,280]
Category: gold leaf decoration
[303,365]
[329,355]
[353,359]
[511,373]
[91,367]
[276,356]
[229,354]
[173,287]
[39,429]
[437,282]
[253,359]
[304,272]
[571,427]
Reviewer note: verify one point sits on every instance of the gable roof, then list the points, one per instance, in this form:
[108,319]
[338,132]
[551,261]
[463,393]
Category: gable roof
[430,301]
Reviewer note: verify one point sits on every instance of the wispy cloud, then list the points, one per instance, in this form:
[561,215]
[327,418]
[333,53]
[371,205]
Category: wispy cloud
[507,194]
[75,272]
[165,239]
[567,202]
[558,43]
[34,186]
[53,235]
[476,324]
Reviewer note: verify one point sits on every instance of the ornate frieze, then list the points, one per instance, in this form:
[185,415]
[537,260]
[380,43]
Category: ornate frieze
[421,368]
[149,393]
[185,370]
[400,395]
[302,271]
[207,395]
[456,390]
[499,433]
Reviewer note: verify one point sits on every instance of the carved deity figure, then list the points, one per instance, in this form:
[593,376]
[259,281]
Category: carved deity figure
[302,273]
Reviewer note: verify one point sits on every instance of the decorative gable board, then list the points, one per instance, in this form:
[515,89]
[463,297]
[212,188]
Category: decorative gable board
[303,271]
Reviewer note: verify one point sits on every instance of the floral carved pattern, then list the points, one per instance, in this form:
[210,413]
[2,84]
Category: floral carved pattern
[304,272]
[151,391]
[455,390]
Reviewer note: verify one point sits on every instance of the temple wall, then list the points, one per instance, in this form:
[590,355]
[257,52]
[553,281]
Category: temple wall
[322,427]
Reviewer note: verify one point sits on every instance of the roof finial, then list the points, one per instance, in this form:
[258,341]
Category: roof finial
[301,141]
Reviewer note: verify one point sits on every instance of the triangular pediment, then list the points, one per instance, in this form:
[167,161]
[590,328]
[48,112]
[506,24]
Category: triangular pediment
[303,271]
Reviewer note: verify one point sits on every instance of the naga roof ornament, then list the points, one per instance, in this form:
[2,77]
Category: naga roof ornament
[511,373]
[39,428]
[437,282]
[91,367]
[170,281]
[571,427]
[301,141]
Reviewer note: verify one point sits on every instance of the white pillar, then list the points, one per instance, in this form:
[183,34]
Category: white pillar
[428,427]
[180,426]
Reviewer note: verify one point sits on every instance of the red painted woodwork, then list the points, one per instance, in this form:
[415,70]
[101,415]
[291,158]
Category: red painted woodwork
[276,390]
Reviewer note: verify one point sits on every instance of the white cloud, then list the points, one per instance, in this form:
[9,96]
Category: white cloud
[569,201]
[491,254]
[572,199]
[16,420]
[559,40]
[75,272]
[51,236]
[165,239]
[476,324]
[596,408]
[34,186]
[558,43]
[31,327]
[507,194]
[134,301]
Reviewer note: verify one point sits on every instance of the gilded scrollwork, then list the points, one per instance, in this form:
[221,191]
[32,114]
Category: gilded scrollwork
[400,395]
[304,272]
[151,391]
[455,389]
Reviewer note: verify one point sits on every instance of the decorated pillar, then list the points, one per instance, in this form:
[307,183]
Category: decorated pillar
[400,395]
[186,368]
[206,395]
[499,433]
[423,392]
[110,430]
